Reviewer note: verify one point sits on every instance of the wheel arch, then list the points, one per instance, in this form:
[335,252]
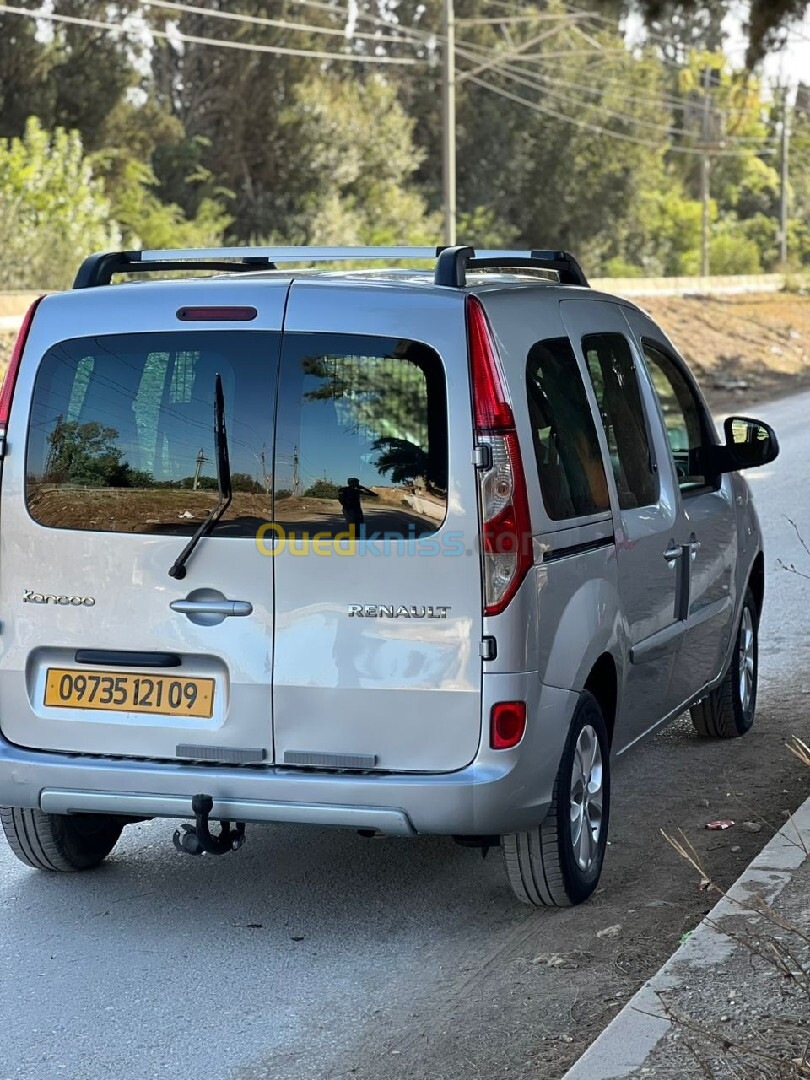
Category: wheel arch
[603,683]
[756,580]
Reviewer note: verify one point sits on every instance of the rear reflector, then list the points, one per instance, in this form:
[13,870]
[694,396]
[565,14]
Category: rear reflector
[13,370]
[503,501]
[507,724]
[217,314]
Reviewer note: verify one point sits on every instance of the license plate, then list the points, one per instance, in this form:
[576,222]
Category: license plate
[133,692]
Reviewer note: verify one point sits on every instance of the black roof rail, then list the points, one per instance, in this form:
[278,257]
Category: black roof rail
[454,262]
[99,269]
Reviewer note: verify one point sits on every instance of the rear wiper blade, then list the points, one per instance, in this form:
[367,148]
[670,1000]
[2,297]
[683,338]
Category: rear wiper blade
[178,570]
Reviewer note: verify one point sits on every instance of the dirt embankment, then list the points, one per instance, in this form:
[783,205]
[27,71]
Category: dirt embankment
[741,348]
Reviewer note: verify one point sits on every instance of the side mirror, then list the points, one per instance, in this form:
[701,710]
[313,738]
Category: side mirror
[749,443]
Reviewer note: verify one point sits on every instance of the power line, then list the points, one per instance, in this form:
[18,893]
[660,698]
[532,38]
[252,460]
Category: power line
[550,87]
[193,39]
[257,20]
[598,129]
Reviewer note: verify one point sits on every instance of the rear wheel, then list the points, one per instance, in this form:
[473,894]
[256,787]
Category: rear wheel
[60,841]
[728,711]
[558,863]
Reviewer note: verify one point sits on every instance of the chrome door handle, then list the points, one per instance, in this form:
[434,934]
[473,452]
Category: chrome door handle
[673,552]
[224,608]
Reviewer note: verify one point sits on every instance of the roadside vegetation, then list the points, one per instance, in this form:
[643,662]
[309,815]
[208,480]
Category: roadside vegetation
[567,136]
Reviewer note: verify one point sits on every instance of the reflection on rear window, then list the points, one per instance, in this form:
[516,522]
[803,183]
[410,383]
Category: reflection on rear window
[362,437]
[121,432]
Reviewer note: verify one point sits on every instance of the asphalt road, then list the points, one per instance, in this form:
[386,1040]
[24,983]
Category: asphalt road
[314,953]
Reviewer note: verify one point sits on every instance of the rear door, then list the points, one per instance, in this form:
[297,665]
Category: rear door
[101,490]
[649,541]
[377,571]
[707,511]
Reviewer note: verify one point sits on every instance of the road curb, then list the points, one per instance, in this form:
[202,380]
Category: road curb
[633,1033]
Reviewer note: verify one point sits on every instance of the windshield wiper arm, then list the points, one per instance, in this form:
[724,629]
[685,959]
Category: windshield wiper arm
[178,570]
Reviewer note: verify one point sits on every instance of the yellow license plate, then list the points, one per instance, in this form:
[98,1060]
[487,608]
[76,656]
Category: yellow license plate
[133,692]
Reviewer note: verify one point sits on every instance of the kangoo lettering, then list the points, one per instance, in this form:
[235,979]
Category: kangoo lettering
[31,597]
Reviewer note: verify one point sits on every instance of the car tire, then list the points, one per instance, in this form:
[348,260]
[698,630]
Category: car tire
[61,842]
[729,709]
[547,866]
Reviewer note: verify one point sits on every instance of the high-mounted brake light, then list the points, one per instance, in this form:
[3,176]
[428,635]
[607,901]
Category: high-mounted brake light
[504,504]
[217,314]
[13,370]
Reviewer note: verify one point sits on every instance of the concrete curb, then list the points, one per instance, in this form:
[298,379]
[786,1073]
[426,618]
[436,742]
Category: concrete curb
[633,1033]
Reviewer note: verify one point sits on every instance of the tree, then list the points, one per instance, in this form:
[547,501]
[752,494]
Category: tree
[52,209]
[351,174]
[68,76]
[766,21]
[85,455]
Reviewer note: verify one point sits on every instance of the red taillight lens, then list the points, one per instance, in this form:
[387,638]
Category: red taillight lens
[507,724]
[492,409]
[505,519]
[10,380]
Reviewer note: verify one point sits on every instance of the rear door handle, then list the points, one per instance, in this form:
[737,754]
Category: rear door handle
[223,608]
[673,552]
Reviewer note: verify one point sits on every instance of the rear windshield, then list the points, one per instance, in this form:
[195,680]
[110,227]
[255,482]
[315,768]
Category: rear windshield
[122,434]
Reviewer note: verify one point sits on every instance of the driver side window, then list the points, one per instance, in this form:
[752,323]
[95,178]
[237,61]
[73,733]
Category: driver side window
[683,417]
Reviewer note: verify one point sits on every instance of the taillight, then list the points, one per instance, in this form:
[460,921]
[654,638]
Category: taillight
[13,369]
[505,521]
[507,724]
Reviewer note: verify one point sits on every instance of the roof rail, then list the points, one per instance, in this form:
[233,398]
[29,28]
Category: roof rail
[99,269]
[452,263]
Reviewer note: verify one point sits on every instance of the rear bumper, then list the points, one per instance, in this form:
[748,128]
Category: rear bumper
[499,792]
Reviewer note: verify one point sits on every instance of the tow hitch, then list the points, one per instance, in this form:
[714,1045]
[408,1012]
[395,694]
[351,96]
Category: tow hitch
[197,839]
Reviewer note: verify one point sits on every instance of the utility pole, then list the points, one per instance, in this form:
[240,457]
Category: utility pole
[784,180]
[200,460]
[449,122]
[296,477]
[705,174]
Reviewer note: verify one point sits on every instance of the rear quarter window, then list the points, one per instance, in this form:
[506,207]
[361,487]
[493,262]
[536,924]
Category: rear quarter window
[569,461]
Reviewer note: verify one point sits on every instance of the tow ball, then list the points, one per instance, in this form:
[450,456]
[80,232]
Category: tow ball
[197,839]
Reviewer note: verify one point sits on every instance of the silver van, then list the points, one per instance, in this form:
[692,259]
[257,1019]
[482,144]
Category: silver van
[402,550]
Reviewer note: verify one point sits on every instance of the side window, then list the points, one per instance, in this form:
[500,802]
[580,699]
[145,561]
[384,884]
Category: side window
[569,462]
[613,374]
[683,417]
[362,437]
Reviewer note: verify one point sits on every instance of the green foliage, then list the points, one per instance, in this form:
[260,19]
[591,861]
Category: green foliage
[353,163]
[85,455]
[52,209]
[163,145]
[321,489]
[148,222]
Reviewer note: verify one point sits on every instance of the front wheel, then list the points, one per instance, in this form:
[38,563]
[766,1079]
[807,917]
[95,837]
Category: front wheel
[558,863]
[63,842]
[728,711]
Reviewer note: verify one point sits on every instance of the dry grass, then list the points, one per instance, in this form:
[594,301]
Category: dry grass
[778,946]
